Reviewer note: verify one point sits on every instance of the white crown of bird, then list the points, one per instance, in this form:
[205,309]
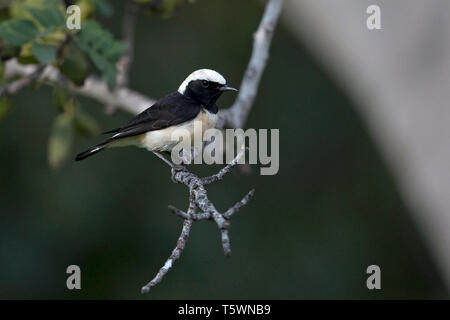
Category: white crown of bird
[202,74]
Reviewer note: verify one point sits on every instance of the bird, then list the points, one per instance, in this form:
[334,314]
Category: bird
[195,100]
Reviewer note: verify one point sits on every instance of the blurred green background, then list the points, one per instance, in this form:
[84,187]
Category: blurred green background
[310,231]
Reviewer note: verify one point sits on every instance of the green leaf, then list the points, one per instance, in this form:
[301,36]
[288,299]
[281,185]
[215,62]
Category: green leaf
[103,7]
[44,53]
[48,17]
[18,31]
[60,141]
[74,65]
[19,8]
[60,97]
[103,50]
[85,124]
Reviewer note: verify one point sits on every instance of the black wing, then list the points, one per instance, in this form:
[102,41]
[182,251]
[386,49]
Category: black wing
[171,110]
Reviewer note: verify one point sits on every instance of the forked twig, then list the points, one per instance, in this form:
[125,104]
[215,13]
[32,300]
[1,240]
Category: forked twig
[198,199]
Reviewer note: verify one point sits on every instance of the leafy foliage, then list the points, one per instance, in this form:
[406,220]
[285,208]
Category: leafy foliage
[85,124]
[74,64]
[34,31]
[70,120]
[102,49]
[18,31]
[103,7]
[37,29]
[48,17]
[44,53]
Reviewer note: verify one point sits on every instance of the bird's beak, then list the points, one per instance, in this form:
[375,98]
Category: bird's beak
[227,88]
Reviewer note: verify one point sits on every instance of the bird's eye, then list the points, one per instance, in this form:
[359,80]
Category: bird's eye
[205,83]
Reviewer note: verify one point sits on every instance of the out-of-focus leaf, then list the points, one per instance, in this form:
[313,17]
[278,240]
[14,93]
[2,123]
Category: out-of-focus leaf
[74,64]
[48,17]
[86,8]
[103,7]
[60,97]
[103,50]
[85,124]
[26,55]
[18,31]
[60,141]
[5,106]
[6,51]
[19,8]
[163,8]
[44,53]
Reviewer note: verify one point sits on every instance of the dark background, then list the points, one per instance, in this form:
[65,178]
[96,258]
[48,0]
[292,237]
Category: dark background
[310,231]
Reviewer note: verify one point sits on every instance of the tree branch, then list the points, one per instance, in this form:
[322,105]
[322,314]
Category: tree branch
[17,85]
[174,256]
[124,98]
[198,199]
[134,102]
[237,114]
[219,175]
[128,28]
[234,117]
[124,63]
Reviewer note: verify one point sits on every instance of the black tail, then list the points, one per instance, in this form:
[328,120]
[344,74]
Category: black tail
[111,131]
[90,152]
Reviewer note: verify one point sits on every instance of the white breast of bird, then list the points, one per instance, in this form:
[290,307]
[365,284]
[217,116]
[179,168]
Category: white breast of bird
[163,140]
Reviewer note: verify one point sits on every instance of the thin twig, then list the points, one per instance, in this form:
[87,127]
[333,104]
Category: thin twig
[174,256]
[169,163]
[17,85]
[124,63]
[128,31]
[185,215]
[124,98]
[236,115]
[219,176]
[198,198]
[134,102]
[239,204]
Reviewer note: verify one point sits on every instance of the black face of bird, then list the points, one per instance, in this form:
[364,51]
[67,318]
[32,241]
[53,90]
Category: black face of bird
[207,92]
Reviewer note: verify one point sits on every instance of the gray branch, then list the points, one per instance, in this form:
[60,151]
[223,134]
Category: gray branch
[198,199]
[174,256]
[239,204]
[133,102]
[128,31]
[17,85]
[237,114]
[124,98]
[124,63]
[219,175]
[234,117]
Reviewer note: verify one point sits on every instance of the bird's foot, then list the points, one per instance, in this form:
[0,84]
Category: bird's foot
[179,167]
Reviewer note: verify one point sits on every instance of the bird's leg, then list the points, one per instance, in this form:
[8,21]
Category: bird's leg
[176,167]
